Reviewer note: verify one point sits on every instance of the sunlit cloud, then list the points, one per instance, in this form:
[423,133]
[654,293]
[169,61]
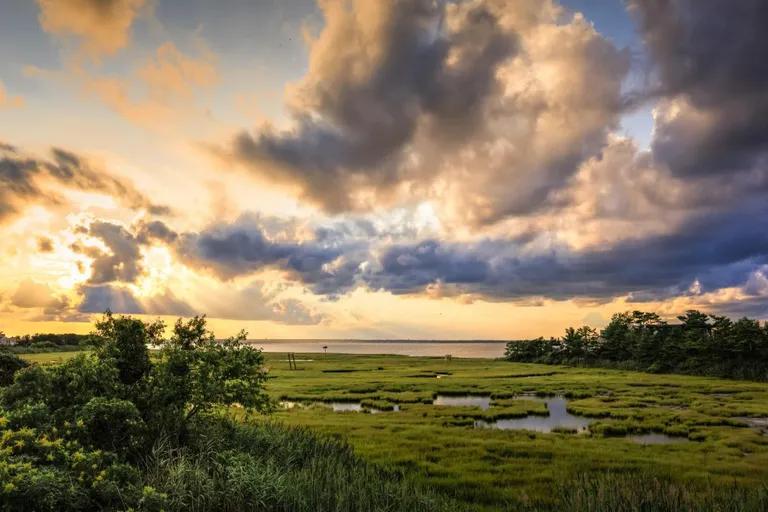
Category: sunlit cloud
[9,101]
[99,27]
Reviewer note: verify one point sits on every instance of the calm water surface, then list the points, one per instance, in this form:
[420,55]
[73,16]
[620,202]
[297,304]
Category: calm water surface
[483,402]
[481,349]
[559,417]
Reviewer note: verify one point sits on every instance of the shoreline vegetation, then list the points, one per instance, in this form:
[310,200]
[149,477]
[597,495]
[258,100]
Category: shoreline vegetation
[700,344]
[200,424]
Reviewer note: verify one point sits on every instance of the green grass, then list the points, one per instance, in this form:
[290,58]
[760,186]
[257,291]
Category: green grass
[492,469]
[46,358]
[271,468]
[724,468]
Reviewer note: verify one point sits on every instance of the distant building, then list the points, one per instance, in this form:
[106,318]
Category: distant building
[5,341]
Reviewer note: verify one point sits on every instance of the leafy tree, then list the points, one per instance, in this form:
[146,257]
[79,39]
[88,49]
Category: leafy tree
[9,365]
[699,344]
[74,433]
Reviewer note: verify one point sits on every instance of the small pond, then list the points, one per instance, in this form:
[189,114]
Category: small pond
[559,418]
[339,406]
[354,407]
[343,406]
[481,401]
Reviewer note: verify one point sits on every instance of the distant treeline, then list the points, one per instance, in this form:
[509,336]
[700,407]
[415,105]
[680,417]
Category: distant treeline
[699,344]
[47,341]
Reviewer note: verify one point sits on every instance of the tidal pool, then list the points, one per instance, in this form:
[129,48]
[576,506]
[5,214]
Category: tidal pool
[481,401]
[559,418]
[344,406]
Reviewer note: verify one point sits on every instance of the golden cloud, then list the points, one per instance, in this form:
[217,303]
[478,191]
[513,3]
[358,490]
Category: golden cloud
[102,27]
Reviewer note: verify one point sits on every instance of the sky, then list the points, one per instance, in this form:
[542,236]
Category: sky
[410,169]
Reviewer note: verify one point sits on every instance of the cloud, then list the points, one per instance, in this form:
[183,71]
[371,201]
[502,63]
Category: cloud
[256,302]
[7,101]
[31,294]
[48,306]
[714,251]
[122,259]
[326,264]
[163,88]
[44,244]
[413,97]
[101,27]
[712,121]
[100,298]
[148,231]
[120,299]
[172,74]
[26,179]
[117,269]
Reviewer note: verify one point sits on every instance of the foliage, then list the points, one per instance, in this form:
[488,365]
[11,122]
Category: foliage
[55,340]
[9,365]
[700,344]
[74,434]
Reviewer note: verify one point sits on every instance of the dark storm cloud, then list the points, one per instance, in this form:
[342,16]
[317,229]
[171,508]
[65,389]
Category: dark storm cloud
[100,298]
[155,230]
[714,252]
[121,262]
[324,264]
[710,57]
[708,49]
[23,181]
[707,253]
[118,299]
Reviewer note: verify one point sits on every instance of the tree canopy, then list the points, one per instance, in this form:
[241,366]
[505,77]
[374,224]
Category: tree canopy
[697,344]
[73,433]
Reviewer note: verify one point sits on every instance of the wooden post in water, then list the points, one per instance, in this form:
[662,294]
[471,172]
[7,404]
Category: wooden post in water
[292,361]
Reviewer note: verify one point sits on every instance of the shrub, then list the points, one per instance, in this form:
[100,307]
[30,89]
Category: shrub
[9,365]
[73,433]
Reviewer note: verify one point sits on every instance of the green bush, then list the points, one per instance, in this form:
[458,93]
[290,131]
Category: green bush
[9,365]
[73,434]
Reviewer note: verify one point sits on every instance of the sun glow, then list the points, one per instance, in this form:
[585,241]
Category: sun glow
[158,265]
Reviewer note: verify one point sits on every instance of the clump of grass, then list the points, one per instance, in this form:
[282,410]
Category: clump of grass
[648,493]
[269,467]
[381,405]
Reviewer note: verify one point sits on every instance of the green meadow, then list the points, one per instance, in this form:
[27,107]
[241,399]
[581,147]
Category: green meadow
[713,449]
[715,458]
[46,358]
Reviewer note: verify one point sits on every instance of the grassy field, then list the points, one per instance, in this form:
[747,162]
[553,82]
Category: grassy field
[491,468]
[50,357]
[718,451]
